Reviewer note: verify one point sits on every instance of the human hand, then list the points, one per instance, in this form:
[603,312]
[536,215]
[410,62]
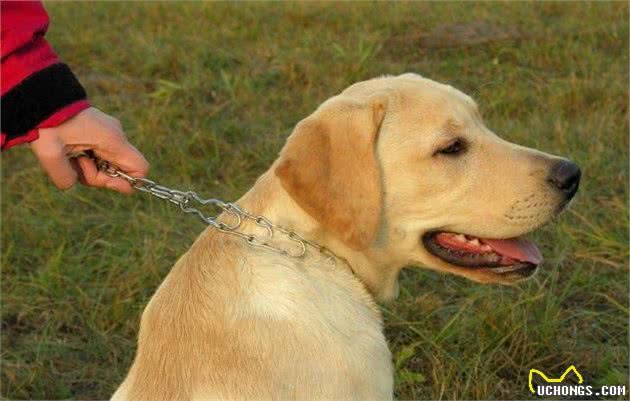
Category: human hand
[94,130]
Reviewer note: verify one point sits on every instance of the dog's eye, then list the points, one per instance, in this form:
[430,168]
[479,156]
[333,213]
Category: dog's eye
[454,148]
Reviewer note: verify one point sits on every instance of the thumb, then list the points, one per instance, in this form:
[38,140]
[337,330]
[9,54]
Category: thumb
[51,154]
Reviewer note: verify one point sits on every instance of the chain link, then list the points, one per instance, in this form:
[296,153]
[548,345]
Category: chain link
[186,199]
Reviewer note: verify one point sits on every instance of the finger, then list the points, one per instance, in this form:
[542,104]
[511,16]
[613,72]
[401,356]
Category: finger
[90,173]
[51,154]
[119,185]
[116,149]
[104,135]
[75,166]
[94,177]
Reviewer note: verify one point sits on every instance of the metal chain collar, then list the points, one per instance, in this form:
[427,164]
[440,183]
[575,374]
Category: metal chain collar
[185,200]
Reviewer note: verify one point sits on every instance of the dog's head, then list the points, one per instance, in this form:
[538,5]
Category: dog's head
[403,169]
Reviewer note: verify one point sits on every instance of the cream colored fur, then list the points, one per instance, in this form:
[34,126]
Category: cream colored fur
[361,177]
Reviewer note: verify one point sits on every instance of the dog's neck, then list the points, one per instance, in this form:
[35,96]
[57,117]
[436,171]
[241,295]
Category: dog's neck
[267,198]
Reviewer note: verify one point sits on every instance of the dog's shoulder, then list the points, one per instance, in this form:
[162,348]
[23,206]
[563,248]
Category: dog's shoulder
[228,307]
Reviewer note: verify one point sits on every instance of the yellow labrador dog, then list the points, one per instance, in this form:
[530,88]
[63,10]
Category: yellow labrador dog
[392,172]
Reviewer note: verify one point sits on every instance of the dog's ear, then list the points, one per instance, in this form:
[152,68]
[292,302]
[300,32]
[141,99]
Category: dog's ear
[329,168]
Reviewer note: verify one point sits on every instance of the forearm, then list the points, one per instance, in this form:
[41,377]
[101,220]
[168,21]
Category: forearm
[38,91]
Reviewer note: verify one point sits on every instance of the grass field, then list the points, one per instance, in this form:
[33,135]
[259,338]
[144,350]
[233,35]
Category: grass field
[209,92]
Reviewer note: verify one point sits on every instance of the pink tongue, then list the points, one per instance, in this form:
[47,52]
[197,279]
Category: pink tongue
[516,248]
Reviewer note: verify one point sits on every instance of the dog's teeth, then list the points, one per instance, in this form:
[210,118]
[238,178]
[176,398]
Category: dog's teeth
[474,242]
[460,237]
[486,248]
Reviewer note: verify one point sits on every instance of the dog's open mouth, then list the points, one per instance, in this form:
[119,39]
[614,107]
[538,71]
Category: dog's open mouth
[501,256]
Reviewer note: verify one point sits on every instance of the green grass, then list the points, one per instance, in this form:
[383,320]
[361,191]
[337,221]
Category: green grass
[208,92]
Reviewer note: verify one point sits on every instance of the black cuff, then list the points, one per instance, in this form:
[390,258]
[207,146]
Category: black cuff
[38,97]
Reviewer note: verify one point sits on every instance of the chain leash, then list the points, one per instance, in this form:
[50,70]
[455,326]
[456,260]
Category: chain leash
[186,199]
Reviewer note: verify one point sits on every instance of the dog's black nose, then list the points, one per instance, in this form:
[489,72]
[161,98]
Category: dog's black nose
[565,176]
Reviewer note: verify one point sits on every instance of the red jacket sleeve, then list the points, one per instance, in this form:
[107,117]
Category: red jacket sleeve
[37,90]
